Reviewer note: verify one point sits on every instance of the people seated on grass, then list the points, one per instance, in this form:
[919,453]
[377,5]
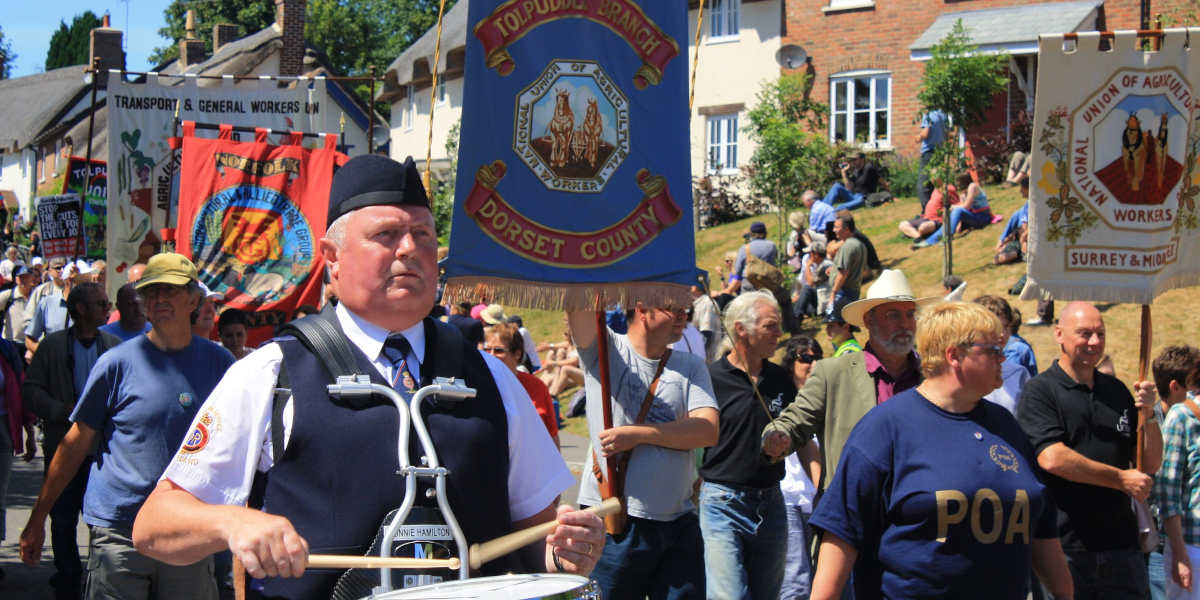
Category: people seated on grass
[1018,168]
[560,369]
[860,177]
[924,224]
[972,213]
[1014,240]
[874,266]
[810,293]
[796,241]
[820,217]
[955,287]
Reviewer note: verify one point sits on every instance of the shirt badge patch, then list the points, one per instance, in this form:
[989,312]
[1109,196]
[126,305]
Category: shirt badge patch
[776,405]
[1004,457]
[185,399]
[408,382]
[1123,423]
[208,425]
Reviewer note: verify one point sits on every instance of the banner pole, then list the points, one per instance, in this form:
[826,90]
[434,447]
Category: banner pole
[437,53]
[696,55]
[80,247]
[1143,367]
[608,486]
[371,115]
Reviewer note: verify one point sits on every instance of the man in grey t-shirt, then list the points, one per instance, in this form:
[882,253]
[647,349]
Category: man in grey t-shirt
[660,553]
[850,262]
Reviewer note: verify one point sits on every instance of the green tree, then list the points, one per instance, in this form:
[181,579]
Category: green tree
[71,45]
[249,15]
[443,187]
[7,56]
[792,153]
[960,82]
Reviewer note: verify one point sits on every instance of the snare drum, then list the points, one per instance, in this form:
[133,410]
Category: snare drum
[550,586]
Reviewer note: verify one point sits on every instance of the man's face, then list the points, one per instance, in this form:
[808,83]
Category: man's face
[130,305]
[386,269]
[761,338]
[11,254]
[168,305]
[26,281]
[94,311]
[1080,336]
[892,326]
[859,161]
[840,230]
[233,337]
[665,324]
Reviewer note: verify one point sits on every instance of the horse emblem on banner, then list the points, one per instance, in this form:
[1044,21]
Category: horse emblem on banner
[572,127]
[1129,146]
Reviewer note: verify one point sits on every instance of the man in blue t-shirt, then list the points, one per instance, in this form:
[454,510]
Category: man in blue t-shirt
[137,404]
[132,322]
[933,133]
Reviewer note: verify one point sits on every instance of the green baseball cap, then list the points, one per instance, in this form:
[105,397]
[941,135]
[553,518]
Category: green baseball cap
[169,268]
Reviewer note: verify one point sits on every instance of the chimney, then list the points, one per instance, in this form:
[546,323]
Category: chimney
[191,50]
[223,33]
[289,14]
[105,44]
[104,21]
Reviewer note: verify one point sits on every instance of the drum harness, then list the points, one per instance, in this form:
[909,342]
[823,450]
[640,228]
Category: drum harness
[355,389]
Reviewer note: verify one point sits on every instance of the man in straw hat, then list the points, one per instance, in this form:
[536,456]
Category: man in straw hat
[337,458]
[841,390]
[135,407]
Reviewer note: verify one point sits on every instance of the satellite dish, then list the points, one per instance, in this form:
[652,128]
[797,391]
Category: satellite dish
[791,56]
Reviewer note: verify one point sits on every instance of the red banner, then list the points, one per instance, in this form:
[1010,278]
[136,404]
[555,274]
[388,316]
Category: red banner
[515,18]
[250,216]
[536,242]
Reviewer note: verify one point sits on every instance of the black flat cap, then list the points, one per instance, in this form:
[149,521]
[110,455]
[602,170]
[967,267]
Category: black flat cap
[374,180]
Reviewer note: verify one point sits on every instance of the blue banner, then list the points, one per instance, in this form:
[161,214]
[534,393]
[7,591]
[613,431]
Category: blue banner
[574,176]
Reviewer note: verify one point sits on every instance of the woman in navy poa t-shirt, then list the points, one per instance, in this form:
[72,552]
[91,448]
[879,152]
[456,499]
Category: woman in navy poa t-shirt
[935,494]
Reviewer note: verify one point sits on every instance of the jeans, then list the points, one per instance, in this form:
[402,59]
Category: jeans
[840,299]
[972,220]
[1109,574]
[745,540]
[6,460]
[659,559]
[797,570]
[1154,566]
[924,188]
[806,304]
[64,517]
[838,194]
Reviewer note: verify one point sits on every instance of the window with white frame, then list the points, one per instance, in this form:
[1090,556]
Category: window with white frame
[835,5]
[722,143]
[410,108]
[861,108]
[724,19]
[441,90]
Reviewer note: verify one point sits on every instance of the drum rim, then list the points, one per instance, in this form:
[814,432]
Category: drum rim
[585,587]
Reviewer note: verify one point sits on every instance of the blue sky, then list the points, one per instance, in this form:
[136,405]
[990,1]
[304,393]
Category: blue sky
[28,25]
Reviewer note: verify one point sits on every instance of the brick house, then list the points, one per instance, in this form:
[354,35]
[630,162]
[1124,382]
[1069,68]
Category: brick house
[868,56]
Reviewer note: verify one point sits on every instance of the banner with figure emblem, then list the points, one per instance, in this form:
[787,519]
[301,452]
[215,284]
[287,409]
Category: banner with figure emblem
[250,216]
[1115,179]
[574,177]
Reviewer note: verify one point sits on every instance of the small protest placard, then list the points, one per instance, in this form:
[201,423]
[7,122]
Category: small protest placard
[59,220]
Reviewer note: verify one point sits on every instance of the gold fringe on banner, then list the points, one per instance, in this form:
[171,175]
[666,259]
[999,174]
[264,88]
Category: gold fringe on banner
[563,296]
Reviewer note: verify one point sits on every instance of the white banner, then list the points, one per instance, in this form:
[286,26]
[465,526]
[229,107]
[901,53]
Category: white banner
[1115,180]
[142,167]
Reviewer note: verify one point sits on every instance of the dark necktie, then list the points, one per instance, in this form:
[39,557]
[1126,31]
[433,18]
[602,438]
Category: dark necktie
[397,349]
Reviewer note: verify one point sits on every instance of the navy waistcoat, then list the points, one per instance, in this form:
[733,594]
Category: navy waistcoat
[336,480]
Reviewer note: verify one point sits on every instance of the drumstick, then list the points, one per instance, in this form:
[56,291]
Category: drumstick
[338,561]
[491,550]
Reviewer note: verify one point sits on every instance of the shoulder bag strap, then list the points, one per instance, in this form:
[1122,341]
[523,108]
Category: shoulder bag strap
[623,459]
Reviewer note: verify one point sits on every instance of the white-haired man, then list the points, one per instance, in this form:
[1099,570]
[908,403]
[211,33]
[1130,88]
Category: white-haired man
[741,507]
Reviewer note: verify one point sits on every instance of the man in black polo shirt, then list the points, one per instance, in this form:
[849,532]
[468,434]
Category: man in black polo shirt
[1082,424]
[741,508]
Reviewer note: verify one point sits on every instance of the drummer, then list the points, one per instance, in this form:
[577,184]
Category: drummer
[335,481]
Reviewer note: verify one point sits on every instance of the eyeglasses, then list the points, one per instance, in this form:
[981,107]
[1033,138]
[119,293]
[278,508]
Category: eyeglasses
[494,350]
[806,358]
[992,349]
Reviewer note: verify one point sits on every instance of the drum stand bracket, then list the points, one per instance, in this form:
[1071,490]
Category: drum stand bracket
[410,416]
